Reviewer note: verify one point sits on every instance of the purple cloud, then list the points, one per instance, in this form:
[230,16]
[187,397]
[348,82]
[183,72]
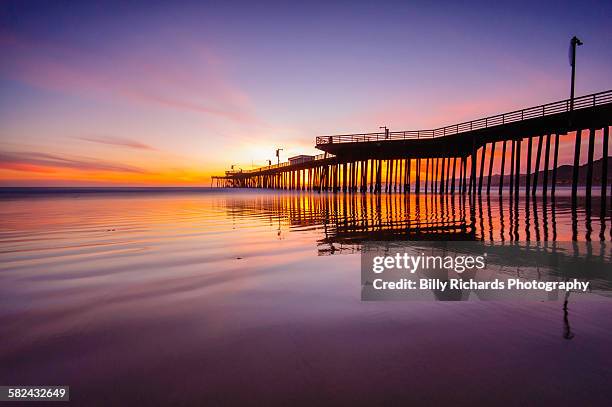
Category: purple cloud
[44,162]
[117,141]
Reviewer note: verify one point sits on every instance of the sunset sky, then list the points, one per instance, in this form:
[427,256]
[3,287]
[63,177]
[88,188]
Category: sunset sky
[169,93]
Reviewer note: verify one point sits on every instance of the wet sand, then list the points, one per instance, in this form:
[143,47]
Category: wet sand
[231,298]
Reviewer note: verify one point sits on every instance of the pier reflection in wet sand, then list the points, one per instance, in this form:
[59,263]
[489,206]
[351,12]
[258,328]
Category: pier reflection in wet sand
[347,220]
[229,297]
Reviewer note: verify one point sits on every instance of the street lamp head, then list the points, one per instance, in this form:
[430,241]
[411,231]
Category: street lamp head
[278,150]
[576,40]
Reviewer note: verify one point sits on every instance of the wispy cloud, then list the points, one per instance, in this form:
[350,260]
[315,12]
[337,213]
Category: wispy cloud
[193,80]
[46,163]
[117,141]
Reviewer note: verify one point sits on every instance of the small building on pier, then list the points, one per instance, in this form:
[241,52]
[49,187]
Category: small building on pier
[299,159]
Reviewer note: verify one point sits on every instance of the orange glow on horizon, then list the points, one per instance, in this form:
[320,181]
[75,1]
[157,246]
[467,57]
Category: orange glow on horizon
[67,177]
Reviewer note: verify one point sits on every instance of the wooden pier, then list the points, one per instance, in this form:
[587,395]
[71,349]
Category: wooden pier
[453,158]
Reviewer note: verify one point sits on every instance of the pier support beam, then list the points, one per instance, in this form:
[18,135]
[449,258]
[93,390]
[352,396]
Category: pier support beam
[517,172]
[555,164]
[536,170]
[364,176]
[503,164]
[454,173]
[461,187]
[434,176]
[546,162]
[417,186]
[528,172]
[448,164]
[379,177]
[490,168]
[443,165]
[387,175]
[575,169]
[589,176]
[408,174]
[400,174]
[426,175]
[464,165]
[372,175]
[482,165]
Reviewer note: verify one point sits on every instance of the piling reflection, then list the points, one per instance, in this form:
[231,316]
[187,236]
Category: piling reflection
[347,220]
[567,330]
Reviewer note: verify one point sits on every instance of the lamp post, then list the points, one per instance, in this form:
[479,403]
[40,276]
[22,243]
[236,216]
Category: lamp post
[278,150]
[386,131]
[575,41]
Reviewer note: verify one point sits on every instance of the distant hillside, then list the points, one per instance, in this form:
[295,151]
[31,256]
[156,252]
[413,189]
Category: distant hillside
[564,175]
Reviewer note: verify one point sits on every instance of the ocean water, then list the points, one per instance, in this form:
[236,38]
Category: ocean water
[230,297]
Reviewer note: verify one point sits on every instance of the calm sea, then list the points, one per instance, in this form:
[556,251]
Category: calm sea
[216,297]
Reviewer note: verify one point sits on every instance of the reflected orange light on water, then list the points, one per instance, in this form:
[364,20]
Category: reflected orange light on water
[341,218]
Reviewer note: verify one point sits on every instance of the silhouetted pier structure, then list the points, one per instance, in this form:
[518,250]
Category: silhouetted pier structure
[452,158]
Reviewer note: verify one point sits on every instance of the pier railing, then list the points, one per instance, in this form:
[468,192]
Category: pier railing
[279,165]
[548,109]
